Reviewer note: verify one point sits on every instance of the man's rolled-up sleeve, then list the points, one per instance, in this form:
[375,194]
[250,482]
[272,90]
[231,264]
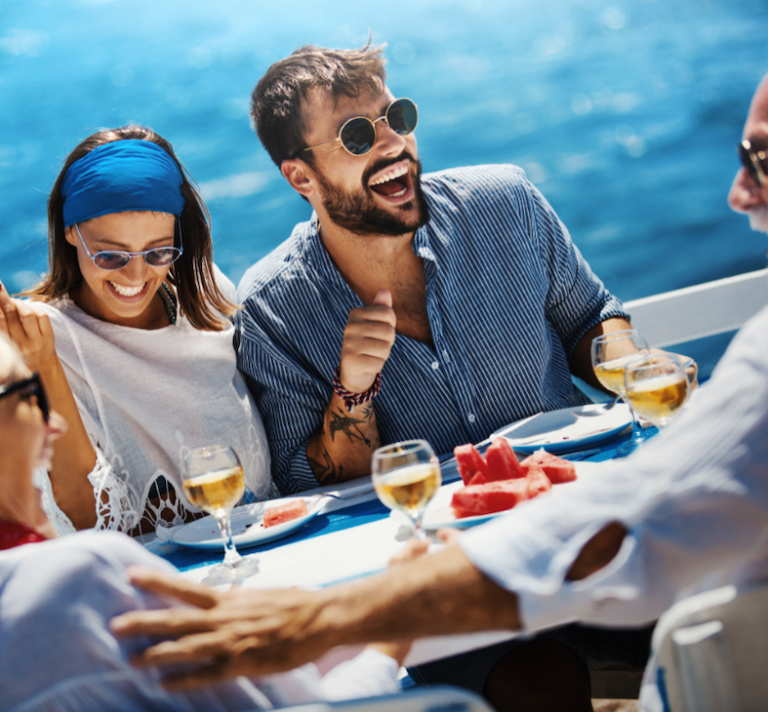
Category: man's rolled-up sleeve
[577,300]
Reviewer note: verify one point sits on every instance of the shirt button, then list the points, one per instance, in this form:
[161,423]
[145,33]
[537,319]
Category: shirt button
[435,365]
[471,417]
[446,356]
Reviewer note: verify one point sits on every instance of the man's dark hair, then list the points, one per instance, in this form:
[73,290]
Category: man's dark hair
[276,100]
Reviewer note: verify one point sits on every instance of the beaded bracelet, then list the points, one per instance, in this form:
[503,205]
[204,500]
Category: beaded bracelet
[352,399]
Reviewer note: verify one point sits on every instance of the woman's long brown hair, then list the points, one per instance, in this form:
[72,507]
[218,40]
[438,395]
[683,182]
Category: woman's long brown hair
[192,274]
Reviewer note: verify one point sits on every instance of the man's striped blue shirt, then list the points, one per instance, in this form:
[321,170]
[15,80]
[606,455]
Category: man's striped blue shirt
[508,298]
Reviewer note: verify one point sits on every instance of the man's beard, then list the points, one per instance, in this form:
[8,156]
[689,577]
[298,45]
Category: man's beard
[359,213]
[758,218]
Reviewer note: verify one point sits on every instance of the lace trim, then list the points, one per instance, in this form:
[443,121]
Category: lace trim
[113,501]
[61,522]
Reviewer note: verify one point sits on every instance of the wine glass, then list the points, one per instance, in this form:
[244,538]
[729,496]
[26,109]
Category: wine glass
[657,387]
[610,355]
[213,480]
[406,476]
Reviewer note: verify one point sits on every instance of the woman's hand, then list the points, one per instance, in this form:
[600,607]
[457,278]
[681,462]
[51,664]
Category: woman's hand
[30,330]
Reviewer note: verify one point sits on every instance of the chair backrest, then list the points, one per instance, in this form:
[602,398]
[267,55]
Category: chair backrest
[699,311]
[438,698]
[713,652]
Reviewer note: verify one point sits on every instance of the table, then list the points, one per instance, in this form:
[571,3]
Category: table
[352,538]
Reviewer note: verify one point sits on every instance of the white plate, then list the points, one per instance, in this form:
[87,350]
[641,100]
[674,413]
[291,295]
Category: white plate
[247,526]
[439,513]
[567,429]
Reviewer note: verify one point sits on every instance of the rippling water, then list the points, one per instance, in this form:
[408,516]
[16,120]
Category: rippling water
[625,114]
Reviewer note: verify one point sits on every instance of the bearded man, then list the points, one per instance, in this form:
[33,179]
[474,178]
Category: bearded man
[456,299]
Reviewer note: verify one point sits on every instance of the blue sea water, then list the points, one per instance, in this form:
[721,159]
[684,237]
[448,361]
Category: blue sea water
[625,113]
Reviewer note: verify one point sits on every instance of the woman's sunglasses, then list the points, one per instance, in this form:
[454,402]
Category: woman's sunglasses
[358,135]
[27,389]
[753,161]
[117,259]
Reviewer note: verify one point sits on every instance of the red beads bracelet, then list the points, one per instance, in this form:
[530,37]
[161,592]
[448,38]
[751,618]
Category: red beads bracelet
[352,399]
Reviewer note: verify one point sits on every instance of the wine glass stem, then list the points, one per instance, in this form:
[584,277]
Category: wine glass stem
[638,432]
[231,557]
[418,531]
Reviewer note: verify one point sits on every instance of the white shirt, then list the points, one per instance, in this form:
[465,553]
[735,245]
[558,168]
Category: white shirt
[58,655]
[694,500]
[147,397]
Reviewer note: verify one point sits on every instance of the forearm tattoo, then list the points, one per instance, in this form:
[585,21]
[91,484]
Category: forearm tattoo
[326,473]
[344,422]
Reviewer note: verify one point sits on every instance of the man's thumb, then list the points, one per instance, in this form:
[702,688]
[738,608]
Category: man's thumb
[383,297]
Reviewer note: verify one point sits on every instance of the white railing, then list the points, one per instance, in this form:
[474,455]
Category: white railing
[699,311]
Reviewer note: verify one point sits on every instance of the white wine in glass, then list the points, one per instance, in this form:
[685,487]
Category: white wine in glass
[611,353]
[213,481]
[406,476]
[656,387]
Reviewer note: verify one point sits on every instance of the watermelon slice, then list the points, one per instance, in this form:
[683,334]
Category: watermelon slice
[489,498]
[557,469]
[285,513]
[470,462]
[502,461]
[537,481]
[478,479]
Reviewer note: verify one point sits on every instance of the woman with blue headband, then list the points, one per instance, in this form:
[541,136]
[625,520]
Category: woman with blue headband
[131,334]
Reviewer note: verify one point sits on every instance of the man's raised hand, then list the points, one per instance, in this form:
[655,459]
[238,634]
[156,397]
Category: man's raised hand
[368,339]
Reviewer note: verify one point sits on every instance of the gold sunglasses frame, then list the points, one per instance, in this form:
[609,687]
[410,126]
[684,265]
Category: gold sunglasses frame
[373,123]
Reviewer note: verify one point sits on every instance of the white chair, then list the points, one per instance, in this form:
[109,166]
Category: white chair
[439,698]
[713,652]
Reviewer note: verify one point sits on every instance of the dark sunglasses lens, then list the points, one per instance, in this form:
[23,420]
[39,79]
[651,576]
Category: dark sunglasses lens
[111,260]
[403,116]
[42,400]
[33,388]
[358,136]
[162,257]
[746,161]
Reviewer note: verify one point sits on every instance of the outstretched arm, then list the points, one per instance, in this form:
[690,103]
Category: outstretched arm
[261,632]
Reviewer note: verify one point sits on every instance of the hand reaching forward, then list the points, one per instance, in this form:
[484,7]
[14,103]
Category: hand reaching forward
[240,632]
[368,338]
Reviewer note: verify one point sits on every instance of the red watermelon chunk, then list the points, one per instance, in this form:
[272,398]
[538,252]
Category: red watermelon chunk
[557,469]
[470,462]
[537,481]
[285,513]
[489,498]
[502,461]
[478,479]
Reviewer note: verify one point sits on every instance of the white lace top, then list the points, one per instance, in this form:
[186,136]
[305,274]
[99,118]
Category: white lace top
[146,399]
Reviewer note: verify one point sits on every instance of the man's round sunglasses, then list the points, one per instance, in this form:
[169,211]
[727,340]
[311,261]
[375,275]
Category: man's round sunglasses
[753,161]
[358,135]
[27,389]
[117,259]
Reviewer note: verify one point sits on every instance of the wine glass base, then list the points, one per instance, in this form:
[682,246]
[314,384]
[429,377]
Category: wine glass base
[628,447]
[242,569]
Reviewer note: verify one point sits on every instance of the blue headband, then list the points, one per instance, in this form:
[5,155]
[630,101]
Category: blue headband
[120,176]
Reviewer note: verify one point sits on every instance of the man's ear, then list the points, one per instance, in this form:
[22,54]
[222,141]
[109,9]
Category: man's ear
[299,175]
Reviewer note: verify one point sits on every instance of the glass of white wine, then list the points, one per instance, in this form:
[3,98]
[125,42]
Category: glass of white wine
[610,355]
[406,476]
[656,387]
[213,481]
